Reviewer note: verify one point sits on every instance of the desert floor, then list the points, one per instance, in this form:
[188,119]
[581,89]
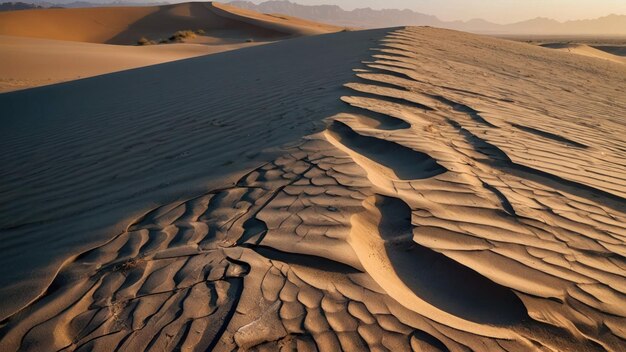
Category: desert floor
[400,189]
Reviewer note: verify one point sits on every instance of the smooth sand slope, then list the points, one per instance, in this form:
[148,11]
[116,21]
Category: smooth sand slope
[39,47]
[465,194]
[33,62]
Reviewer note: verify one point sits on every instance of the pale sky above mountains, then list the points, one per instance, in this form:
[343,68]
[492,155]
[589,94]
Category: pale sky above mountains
[497,11]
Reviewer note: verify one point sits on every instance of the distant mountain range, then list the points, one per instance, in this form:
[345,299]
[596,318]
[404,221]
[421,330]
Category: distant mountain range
[369,18]
[612,25]
[14,6]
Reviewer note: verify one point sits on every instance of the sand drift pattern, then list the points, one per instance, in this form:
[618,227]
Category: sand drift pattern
[424,218]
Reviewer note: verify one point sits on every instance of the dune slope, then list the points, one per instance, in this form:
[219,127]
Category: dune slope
[468,194]
[34,62]
[109,147]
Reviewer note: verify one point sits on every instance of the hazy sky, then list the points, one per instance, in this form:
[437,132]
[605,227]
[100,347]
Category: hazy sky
[499,11]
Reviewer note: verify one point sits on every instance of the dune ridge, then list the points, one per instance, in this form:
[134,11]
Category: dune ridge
[480,213]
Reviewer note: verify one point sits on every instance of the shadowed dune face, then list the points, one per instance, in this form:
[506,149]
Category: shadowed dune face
[396,160]
[437,279]
[484,211]
[619,50]
[422,279]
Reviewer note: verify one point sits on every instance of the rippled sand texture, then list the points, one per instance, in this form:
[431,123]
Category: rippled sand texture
[471,196]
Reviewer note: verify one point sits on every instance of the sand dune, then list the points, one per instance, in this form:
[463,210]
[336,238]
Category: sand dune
[586,50]
[464,194]
[126,25]
[46,46]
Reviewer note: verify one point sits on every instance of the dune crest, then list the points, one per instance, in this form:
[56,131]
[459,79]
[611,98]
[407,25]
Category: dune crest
[462,198]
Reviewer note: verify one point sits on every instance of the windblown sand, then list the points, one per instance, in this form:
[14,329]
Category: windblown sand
[464,193]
